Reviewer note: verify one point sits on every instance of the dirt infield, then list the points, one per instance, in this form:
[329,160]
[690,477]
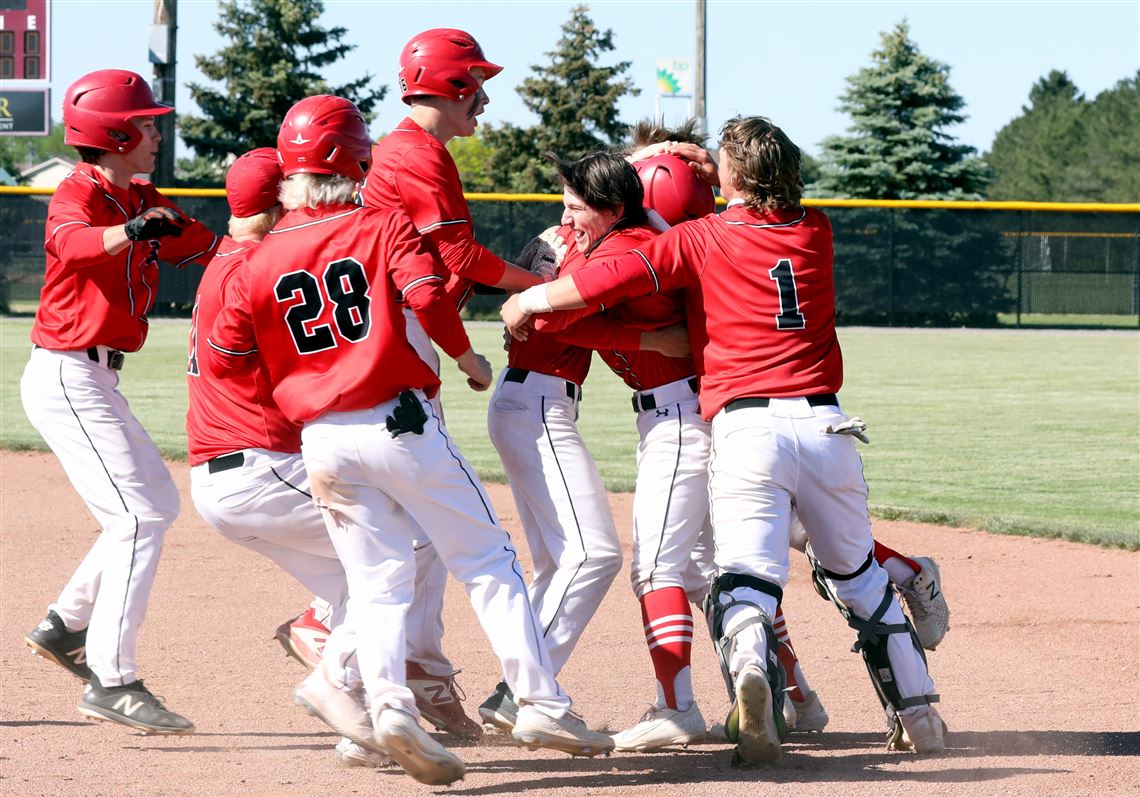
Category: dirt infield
[1039,676]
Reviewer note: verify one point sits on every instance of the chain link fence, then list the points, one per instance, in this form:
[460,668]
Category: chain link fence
[896,263]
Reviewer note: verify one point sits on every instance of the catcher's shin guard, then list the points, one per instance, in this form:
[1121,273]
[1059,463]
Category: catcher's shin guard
[871,641]
[725,643]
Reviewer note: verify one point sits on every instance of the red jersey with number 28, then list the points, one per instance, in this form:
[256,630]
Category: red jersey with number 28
[318,299]
[226,415]
[412,169]
[759,299]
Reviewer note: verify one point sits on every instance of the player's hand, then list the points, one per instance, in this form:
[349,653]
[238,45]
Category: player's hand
[477,368]
[543,254]
[518,322]
[671,341]
[699,159]
[156,222]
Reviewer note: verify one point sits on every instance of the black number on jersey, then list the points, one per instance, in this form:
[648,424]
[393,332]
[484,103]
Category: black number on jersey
[347,290]
[192,365]
[790,316]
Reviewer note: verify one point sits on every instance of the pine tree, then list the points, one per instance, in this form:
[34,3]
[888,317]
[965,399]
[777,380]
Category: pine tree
[575,99]
[899,148]
[274,57]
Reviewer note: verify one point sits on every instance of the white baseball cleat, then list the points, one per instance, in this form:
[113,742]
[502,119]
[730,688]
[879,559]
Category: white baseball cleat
[758,737]
[660,727]
[807,716]
[920,729]
[421,756]
[340,709]
[567,733]
[349,754]
[927,604]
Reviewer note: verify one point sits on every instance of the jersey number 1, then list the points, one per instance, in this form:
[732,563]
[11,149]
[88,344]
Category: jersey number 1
[790,316]
[347,288]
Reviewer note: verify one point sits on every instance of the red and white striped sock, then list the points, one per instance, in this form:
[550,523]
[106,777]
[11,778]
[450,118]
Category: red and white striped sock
[797,683]
[901,569]
[669,634]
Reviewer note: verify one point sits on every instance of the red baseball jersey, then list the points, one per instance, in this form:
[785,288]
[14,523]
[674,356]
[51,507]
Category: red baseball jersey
[641,370]
[238,412]
[319,300]
[759,299]
[568,356]
[91,298]
[413,170]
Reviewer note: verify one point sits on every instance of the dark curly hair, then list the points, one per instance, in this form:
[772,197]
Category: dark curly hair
[604,181]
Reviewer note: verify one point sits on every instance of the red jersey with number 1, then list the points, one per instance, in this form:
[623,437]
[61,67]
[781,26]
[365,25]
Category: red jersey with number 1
[412,169]
[759,300]
[226,415]
[317,299]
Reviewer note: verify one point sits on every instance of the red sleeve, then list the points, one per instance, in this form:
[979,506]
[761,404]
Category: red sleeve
[599,332]
[418,275]
[231,347]
[465,256]
[668,262]
[70,234]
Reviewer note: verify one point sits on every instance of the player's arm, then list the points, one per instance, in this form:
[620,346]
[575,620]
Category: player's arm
[195,243]
[72,235]
[418,274]
[231,345]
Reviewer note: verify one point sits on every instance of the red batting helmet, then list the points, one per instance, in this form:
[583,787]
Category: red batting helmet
[324,134]
[438,63]
[673,190]
[98,109]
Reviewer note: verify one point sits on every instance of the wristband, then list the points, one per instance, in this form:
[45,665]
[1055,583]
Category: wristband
[533,300]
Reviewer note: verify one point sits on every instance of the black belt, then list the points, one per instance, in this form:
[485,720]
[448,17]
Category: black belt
[646,401]
[821,400]
[519,375]
[114,358]
[226,462]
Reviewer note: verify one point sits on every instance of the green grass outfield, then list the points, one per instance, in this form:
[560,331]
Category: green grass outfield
[1016,431]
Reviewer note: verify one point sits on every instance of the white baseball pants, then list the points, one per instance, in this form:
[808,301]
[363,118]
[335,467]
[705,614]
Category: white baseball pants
[75,405]
[767,461]
[562,503]
[672,532]
[375,492]
[265,505]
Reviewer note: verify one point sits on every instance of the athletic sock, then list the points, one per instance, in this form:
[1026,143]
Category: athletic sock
[901,569]
[797,683]
[669,634]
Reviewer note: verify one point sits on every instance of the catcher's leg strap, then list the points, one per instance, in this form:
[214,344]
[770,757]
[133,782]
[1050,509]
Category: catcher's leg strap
[715,611]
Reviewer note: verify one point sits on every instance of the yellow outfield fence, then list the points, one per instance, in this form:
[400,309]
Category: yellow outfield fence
[900,262]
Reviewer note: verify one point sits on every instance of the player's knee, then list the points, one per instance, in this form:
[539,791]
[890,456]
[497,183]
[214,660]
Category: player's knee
[862,592]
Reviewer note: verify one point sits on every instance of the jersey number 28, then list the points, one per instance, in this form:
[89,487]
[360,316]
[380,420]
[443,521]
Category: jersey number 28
[346,288]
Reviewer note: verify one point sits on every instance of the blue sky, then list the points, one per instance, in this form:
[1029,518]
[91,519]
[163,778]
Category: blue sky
[786,60]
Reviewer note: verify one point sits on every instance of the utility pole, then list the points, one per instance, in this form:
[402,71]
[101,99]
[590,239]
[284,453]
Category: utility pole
[699,89]
[163,38]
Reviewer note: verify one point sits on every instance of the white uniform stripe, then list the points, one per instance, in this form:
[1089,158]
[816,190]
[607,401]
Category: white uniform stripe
[648,265]
[670,618]
[318,221]
[803,215]
[65,224]
[418,282]
[430,227]
[188,258]
[684,640]
[224,350]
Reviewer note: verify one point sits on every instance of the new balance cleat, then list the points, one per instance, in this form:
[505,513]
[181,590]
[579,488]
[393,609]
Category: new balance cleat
[440,701]
[132,705]
[567,733]
[499,710]
[927,604]
[52,641]
[661,727]
[421,756]
[303,638]
[921,730]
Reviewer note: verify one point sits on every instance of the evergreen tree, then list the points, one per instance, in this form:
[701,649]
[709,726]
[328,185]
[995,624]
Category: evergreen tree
[575,99]
[1064,148]
[275,52]
[899,148]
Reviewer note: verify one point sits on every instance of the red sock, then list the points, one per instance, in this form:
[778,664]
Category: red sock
[883,553]
[797,684]
[669,634]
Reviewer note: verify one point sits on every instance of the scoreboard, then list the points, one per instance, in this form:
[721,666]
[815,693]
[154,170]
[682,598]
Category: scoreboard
[24,39]
[25,67]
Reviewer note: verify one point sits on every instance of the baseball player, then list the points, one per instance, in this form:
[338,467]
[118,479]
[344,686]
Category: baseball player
[247,474]
[317,304]
[758,282]
[105,234]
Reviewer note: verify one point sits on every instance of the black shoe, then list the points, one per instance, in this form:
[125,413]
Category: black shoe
[54,642]
[132,705]
[500,710]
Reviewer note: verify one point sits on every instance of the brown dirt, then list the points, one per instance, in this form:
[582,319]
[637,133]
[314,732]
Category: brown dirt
[1038,676]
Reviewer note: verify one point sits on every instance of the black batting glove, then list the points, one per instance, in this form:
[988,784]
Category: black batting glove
[156,222]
